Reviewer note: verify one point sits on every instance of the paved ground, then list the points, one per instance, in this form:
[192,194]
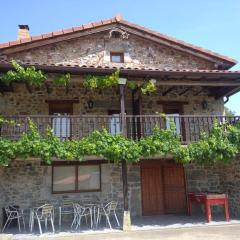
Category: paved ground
[158,227]
[226,232]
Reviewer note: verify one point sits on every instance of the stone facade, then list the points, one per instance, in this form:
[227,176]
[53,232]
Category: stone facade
[25,183]
[94,50]
[217,178]
[23,102]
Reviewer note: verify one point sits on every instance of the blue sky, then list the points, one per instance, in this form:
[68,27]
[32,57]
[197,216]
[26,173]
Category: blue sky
[212,24]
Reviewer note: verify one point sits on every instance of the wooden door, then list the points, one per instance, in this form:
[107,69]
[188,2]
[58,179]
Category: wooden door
[163,188]
[152,190]
[174,189]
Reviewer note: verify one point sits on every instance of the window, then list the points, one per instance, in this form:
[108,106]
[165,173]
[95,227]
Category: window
[173,111]
[61,123]
[114,123]
[176,119]
[116,57]
[76,178]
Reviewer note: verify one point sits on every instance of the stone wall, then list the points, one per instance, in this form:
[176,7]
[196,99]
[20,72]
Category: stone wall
[23,102]
[217,178]
[28,183]
[2,195]
[94,50]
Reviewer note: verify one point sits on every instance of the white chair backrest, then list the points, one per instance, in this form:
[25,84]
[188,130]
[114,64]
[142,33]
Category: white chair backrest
[78,208]
[67,203]
[7,210]
[111,206]
[45,211]
[11,210]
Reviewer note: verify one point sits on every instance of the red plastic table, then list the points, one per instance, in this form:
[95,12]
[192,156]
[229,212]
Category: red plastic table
[208,200]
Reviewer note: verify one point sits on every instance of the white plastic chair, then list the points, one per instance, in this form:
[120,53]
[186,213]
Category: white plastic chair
[108,210]
[14,213]
[43,213]
[65,209]
[79,213]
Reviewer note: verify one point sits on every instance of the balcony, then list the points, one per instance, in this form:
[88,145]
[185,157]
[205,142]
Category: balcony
[189,127]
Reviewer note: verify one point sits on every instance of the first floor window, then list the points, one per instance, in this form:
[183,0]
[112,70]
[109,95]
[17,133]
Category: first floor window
[76,178]
[115,124]
[117,57]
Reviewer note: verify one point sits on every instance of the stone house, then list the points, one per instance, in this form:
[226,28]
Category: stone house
[191,86]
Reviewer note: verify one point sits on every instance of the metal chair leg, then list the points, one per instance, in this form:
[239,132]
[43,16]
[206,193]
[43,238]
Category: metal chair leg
[24,225]
[39,225]
[32,224]
[45,223]
[5,223]
[116,219]
[19,224]
[60,218]
[107,217]
[53,228]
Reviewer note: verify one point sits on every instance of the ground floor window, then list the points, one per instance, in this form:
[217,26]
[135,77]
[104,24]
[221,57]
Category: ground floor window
[76,178]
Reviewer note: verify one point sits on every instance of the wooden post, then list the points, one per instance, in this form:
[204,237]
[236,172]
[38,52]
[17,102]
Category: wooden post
[126,214]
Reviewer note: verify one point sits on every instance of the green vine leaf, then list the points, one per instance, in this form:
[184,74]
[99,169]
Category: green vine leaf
[31,76]
[149,87]
[222,144]
[62,79]
[101,82]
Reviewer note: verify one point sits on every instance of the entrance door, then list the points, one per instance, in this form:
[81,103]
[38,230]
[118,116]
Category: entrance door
[152,190]
[163,188]
[174,189]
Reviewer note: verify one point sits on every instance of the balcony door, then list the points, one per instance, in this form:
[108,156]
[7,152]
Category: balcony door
[114,122]
[173,111]
[60,121]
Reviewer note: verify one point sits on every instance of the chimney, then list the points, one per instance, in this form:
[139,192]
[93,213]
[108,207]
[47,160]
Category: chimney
[23,32]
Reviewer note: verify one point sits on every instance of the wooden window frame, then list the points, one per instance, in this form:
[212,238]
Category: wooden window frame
[120,54]
[76,165]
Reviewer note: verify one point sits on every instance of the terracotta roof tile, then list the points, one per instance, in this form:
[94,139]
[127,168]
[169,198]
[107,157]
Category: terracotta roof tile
[68,30]
[97,24]
[87,26]
[14,43]
[47,35]
[106,21]
[57,33]
[4,45]
[78,28]
[73,65]
[119,19]
[37,37]
[25,40]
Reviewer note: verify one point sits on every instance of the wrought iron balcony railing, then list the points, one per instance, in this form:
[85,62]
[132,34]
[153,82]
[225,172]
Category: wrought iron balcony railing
[189,127]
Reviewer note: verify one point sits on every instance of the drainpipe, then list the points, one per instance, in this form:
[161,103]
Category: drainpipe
[226,99]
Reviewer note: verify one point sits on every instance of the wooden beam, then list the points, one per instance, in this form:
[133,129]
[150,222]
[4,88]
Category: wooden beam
[62,101]
[222,92]
[172,102]
[214,83]
[200,91]
[168,91]
[185,91]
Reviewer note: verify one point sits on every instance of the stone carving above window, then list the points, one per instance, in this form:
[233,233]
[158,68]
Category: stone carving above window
[118,33]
